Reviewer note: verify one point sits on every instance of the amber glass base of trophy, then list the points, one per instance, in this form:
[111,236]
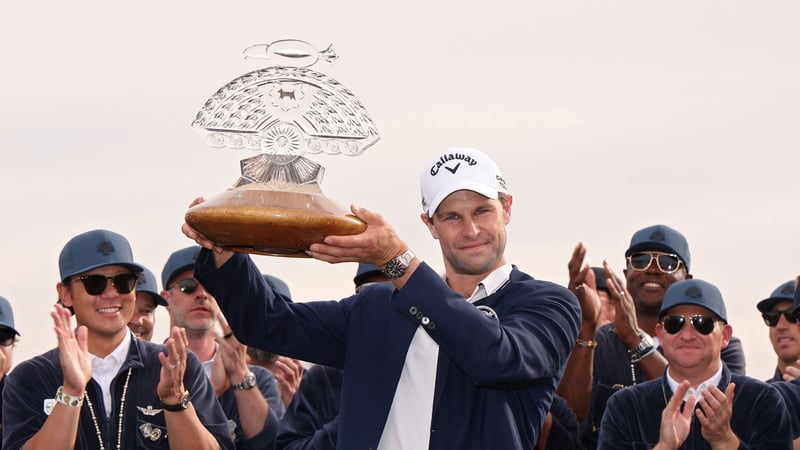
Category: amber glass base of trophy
[255,219]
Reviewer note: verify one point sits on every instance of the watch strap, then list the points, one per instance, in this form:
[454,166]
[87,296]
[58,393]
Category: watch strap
[182,405]
[249,382]
[396,267]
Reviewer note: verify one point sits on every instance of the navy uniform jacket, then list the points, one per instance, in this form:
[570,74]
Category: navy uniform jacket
[612,371]
[269,389]
[496,373]
[36,380]
[311,421]
[633,416]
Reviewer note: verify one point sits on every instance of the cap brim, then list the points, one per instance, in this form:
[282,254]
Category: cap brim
[481,188]
[767,304]
[133,266]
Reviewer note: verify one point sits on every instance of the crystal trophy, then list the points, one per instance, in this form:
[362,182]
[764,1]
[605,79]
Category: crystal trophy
[282,113]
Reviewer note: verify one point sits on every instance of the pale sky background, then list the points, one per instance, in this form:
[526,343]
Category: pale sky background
[605,117]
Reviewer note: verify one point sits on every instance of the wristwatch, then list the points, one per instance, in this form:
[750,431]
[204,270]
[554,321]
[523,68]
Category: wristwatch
[181,405]
[397,266]
[249,382]
[645,347]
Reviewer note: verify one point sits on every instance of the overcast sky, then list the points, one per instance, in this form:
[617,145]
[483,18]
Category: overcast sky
[605,117]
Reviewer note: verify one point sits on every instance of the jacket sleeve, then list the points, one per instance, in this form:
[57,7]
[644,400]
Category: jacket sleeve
[26,390]
[269,389]
[261,319]
[312,419]
[204,399]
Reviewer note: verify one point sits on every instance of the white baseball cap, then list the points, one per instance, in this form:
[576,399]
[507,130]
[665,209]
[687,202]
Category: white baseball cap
[455,169]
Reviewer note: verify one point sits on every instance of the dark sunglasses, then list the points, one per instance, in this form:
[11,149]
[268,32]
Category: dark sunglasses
[7,337]
[187,285]
[703,324]
[771,318]
[96,284]
[667,262]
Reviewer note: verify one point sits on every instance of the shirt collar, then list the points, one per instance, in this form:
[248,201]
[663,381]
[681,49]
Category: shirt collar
[702,387]
[113,362]
[492,283]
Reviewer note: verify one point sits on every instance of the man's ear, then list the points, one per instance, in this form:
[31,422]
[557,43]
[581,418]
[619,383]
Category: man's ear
[166,296]
[429,223]
[64,294]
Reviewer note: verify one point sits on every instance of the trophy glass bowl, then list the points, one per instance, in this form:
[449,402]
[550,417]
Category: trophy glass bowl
[282,112]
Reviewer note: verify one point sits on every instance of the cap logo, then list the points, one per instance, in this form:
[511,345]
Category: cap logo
[788,289]
[105,247]
[501,181]
[694,292]
[444,159]
[141,280]
[658,235]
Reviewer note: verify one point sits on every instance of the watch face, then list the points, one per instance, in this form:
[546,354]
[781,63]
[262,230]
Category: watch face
[394,269]
[250,380]
[185,400]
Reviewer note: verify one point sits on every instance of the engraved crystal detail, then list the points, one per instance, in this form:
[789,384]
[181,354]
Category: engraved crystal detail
[283,112]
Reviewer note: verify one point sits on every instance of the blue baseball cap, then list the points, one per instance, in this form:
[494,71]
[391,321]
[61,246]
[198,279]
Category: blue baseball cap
[694,292]
[661,238]
[178,262]
[278,285]
[93,249]
[783,293]
[7,315]
[147,283]
[365,271]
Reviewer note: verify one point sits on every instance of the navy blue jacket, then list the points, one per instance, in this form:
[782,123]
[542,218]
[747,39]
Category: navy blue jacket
[269,389]
[612,371]
[311,421]
[37,379]
[495,378]
[633,416]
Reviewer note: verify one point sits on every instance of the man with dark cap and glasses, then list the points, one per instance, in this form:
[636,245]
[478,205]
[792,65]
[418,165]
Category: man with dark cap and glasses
[248,394]
[8,340]
[698,402]
[777,310]
[624,352]
[101,388]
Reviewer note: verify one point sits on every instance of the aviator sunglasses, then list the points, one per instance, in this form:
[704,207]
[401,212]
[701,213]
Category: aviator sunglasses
[96,284]
[666,262]
[771,318]
[7,337]
[703,324]
[187,285]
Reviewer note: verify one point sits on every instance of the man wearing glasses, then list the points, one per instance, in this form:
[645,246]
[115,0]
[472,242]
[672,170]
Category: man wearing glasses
[624,352]
[698,402]
[101,388]
[248,394]
[8,339]
[784,332]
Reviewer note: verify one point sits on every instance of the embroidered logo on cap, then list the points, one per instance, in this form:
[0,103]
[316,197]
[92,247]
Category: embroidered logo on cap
[787,290]
[694,292]
[444,159]
[658,235]
[105,247]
